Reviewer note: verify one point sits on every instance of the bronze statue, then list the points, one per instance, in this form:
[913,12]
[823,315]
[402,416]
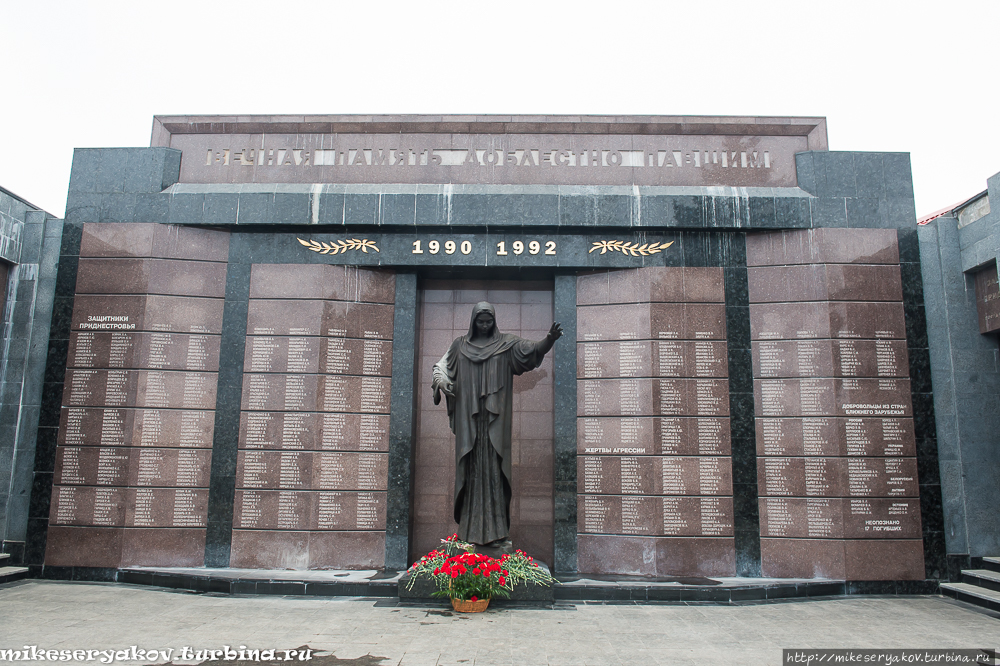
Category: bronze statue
[476,376]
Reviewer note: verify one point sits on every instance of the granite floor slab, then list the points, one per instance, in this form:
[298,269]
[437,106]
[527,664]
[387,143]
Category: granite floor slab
[369,632]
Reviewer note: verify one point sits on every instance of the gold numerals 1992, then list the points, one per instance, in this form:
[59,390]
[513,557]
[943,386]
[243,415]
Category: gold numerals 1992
[518,247]
[465,247]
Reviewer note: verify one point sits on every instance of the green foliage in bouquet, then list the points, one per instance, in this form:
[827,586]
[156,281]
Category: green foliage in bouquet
[461,573]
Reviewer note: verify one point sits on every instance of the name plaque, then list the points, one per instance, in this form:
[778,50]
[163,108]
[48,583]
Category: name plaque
[304,510]
[161,351]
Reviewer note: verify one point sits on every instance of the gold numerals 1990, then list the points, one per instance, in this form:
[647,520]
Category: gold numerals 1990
[465,247]
[449,247]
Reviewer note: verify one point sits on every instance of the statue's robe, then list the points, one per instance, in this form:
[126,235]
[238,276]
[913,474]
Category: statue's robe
[480,415]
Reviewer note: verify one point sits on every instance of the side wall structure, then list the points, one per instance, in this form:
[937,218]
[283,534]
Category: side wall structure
[29,246]
[965,365]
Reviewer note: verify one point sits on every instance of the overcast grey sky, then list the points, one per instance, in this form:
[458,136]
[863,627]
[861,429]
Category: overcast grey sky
[918,77]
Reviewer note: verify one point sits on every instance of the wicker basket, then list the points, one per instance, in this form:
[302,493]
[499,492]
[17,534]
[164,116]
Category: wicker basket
[463,606]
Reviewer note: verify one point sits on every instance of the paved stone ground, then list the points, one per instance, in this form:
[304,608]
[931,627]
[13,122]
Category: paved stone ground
[364,632]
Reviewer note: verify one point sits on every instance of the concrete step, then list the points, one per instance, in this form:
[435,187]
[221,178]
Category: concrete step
[972,594]
[992,563]
[10,574]
[4,557]
[982,578]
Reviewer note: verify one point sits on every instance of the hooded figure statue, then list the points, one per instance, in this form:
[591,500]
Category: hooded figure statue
[476,376]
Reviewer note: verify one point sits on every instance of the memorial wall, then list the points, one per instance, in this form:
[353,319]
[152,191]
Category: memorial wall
[837,468]
[136,426]
[247,335]
[311,474]
[653,433]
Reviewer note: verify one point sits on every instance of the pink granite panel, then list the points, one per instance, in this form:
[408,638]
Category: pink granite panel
[803,558]
[67,546]
[884,560]
[151,276]
[826,245]
[656,556]
[87,506]
[171,241]
[321,282]
[163,548]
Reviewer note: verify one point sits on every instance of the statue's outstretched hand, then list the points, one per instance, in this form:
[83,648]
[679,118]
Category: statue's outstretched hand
[447,388]
[555,332]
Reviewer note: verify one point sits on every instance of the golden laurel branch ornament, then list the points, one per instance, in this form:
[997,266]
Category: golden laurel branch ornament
[633,249]
[337,247]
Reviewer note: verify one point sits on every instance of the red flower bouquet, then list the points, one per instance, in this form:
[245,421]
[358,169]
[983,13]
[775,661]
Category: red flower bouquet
[471,577]
[466,576]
